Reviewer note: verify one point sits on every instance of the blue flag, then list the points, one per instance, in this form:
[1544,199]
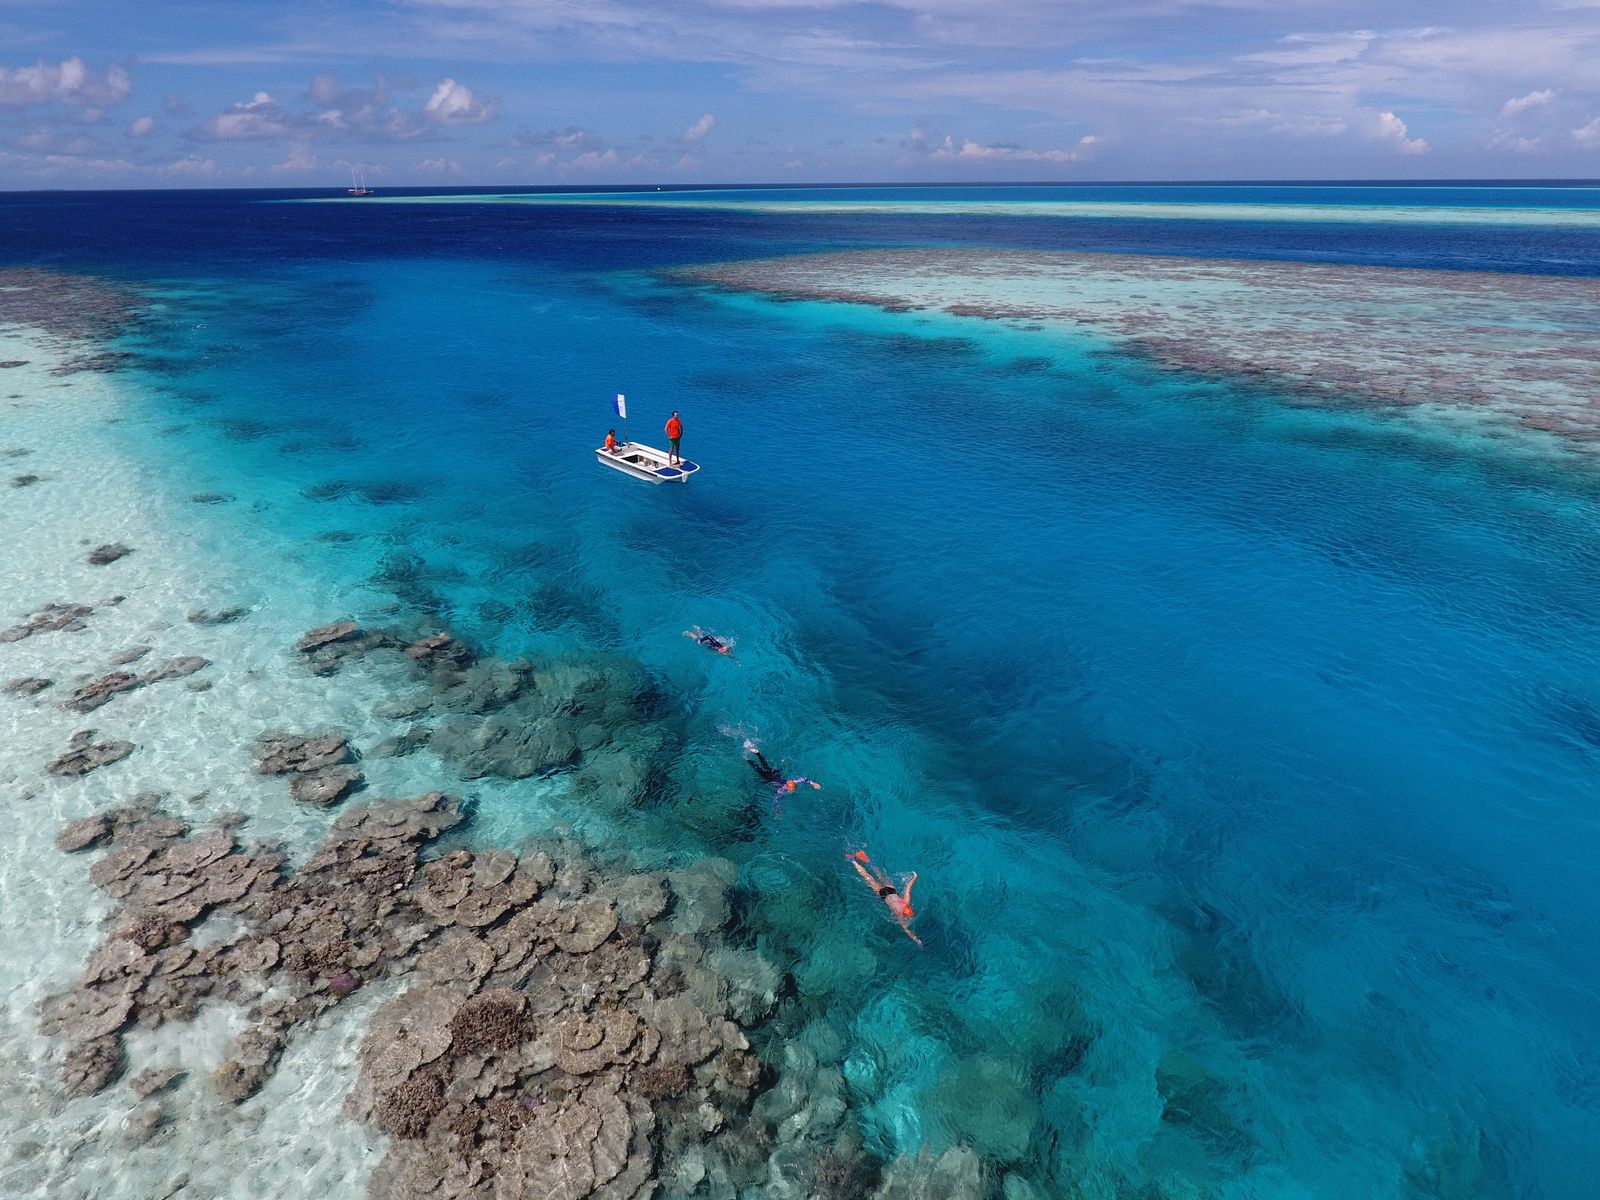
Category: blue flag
[621,406]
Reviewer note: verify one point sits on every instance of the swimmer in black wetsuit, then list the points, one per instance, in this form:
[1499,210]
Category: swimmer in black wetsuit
[711,642]
[765,770]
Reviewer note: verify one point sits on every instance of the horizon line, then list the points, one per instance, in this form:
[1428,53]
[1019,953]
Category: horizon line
[1551,182]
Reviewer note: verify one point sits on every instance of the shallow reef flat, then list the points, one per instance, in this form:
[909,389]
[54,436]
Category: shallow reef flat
[223,975]
[1523,349]
[1096,210]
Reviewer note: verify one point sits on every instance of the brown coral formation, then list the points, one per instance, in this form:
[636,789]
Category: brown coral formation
[508,718]
[547,1048]
[83,754]
[318,765]
[67,618]
[80,307]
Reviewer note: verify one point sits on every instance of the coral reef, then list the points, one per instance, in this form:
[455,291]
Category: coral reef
[1514,348]
[83,754]
[52,617]
[546,1048]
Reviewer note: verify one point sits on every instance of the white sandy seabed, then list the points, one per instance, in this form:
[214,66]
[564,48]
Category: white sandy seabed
[194,748]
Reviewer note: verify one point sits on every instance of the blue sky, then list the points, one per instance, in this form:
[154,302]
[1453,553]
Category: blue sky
[591,92]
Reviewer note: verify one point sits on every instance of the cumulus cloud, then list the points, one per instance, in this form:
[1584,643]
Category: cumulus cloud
[357,113]
[454,103]
[698,130]
[142,127]
[1504,139]
[1519,104]
[69,82]
[47,140]
[594,161]
[1390,128]
[259,117]
[1005,151]
[300,159]
[175,105]
[1271,121]
[440,166]
[1588,136]
[191,166]
[571,138]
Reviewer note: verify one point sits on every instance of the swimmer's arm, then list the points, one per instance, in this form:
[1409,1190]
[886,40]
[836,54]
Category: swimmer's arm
[909,934]
[911,883]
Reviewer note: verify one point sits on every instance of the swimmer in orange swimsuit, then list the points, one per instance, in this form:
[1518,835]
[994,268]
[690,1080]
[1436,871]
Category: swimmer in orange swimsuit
[899,904]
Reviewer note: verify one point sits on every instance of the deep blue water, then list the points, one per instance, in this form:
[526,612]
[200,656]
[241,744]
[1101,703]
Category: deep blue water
[1248,753]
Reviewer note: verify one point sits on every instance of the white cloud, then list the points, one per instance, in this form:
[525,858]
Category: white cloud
[573,137]
[142,127]
[544,160]
[300,159]
[455,103]
[440,166]
[259,117]
[191,166]
[969,149]
[1504,139]
[50,140]
[698,130]
[1390,128]
[68,82]
[346,114]
[1588,136]
[594,161]
[1519,104]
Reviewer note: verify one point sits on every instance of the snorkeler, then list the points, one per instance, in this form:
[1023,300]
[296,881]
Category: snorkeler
[788,787]
[710,641]
[899,905]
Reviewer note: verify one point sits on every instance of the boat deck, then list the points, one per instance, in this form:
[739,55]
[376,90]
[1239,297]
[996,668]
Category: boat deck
[647,463]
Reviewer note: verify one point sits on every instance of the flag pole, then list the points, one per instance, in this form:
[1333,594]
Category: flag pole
[622,411]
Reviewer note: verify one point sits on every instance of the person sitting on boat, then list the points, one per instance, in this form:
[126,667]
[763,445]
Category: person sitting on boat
[710,641]
[899,904]
[612,445]
[787,788]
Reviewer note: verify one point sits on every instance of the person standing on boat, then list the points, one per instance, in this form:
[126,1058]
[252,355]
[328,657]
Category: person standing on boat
[674,435]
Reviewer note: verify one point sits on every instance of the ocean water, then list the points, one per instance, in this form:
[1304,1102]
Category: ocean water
[1247,752]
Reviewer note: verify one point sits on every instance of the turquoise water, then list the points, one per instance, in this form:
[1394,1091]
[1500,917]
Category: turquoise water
[1247,753]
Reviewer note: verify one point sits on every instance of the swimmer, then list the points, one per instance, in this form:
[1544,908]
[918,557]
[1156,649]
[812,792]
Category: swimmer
[759,764]
[788,787]
[899,905]
[710,641]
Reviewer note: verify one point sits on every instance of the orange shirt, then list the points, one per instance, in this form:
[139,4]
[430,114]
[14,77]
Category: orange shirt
[674,427]
[611,441]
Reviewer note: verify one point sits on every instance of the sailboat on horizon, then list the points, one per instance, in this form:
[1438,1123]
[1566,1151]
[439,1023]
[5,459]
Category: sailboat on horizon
[358,183]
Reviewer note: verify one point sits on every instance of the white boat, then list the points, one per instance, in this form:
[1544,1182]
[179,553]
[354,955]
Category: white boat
[358,184]
[647,463]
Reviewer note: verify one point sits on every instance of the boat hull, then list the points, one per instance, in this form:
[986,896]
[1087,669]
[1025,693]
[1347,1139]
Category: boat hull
[646,463]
